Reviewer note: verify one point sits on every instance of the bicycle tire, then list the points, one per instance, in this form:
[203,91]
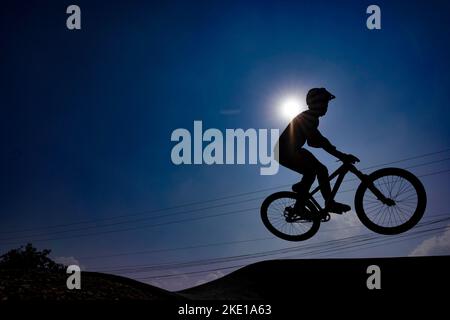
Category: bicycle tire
[315,223]
[417,186]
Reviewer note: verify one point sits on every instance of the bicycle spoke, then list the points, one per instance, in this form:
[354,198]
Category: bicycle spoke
[403,213]
[398,189]
[276,216]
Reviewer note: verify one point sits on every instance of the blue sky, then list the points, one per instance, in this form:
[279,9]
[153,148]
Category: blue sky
[87,115]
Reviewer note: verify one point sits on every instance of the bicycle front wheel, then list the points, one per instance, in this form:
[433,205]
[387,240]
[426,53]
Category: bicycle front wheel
[275,216]
[399,185]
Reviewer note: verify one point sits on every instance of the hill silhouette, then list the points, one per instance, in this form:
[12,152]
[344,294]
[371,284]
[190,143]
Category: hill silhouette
[27,273]
[293,279]
[18,285]
[419,277]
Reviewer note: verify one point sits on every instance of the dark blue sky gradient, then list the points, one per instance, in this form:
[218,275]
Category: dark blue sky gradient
[86,116]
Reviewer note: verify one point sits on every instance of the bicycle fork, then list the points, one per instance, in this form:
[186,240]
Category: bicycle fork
[365,179]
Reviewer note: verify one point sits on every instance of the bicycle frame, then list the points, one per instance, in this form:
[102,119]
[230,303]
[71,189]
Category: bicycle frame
[340,173]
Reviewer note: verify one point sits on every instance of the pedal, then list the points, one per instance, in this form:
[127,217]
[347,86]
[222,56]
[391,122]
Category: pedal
[291,216]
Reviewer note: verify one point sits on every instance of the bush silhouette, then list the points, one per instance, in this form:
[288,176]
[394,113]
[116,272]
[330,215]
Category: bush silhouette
[29,258]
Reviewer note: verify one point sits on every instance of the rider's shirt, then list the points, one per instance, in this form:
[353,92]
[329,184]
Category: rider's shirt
[303,128]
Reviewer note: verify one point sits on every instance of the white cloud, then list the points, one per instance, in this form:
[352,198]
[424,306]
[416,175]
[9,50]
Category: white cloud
[436,245]
[342,226]
[210,277]
[180,281]
[183,281]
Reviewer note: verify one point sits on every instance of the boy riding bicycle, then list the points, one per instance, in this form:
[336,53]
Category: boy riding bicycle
[304,128]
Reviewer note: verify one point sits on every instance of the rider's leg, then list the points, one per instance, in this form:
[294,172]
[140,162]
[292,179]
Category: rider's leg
[310,168]
[325,189]
[303,162]
[302,187]
[324,182]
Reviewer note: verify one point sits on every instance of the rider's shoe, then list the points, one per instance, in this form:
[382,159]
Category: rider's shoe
[337,207]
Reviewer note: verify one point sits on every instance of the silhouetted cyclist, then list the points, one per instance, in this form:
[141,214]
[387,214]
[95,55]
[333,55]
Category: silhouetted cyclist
[304,128]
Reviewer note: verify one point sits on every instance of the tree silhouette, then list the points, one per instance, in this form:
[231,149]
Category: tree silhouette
[29,258]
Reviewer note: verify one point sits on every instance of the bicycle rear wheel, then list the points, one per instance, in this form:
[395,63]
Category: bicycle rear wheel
[274,211]
[399,185]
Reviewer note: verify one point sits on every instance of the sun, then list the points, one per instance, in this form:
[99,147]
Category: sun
[290,107]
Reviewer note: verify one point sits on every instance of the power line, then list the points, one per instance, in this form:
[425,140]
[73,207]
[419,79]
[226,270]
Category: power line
[133,221]
[352,239]
[167,223]
[192,272]
[409,167]
[396,241]
[204,201]
[382,241]
[367,243]
[136,228]
[216,244]
[410,158]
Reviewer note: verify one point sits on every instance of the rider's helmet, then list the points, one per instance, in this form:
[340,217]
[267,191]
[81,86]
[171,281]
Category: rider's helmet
[318,95]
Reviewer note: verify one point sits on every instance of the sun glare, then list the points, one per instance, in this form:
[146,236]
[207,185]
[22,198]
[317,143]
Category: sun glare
[290,107]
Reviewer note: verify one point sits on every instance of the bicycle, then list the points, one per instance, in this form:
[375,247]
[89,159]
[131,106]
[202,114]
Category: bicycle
[388,201]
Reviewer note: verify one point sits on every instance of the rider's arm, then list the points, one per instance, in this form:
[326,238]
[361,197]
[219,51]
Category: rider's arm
[332,150]
[316,140]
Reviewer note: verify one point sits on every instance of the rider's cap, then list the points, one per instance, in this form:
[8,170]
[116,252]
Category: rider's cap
[318,94]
